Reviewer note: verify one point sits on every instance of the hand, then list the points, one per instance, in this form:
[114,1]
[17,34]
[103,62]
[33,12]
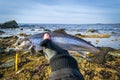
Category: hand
[50,49]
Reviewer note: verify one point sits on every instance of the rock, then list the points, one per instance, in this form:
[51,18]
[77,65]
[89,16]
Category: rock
[42,27]
[21,29]
[60,31]
[113,33]
[97,41]
[94,35]
[47,30]
[32,29]
[92,31]
[1,32]
[9,24]
[78,34]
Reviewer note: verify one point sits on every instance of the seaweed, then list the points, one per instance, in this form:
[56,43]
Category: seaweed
[36,67]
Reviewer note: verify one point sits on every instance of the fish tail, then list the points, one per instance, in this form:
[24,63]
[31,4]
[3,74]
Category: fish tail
[100,58]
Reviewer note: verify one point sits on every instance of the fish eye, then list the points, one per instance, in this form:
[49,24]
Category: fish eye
[18,43]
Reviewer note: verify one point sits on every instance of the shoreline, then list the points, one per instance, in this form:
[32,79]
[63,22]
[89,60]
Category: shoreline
[38,67]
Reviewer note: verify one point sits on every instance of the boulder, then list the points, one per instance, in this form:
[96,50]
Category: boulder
[9,24]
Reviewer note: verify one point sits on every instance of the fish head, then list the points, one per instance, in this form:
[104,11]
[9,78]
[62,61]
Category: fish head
[23,44]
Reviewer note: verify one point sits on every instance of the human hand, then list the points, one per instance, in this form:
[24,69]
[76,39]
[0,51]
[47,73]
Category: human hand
[50,49]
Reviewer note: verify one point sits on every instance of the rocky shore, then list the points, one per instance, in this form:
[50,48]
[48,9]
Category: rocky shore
[37,68]
[105,66]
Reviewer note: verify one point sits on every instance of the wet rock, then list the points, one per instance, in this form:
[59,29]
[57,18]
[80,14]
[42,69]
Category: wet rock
[94,35]
[78,34]
[61,31]
[97,41]
[21,29]
[42,27]
[9,24]
[1,32]
[47,30]
[92,31]
[32,29]
[113,33]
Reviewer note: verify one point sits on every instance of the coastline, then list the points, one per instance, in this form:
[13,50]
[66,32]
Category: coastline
[37,67]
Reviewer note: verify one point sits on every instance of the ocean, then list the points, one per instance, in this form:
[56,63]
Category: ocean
[112,29]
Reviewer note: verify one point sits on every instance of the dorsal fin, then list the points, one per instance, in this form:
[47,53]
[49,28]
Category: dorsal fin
[60,31]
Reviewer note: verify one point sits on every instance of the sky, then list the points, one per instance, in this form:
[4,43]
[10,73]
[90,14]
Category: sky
[60,11]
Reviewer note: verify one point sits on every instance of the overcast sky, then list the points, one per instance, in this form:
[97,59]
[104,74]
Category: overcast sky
[60,11]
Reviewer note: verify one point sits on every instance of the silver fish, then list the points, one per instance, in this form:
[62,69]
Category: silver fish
[65,41]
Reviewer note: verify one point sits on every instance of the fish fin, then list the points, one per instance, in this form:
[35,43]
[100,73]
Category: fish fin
[60,31]
[100,58]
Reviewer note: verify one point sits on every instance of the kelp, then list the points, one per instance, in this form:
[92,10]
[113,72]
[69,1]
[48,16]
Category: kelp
[36,67]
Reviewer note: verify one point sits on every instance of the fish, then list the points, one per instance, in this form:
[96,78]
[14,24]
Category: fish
[65,41]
